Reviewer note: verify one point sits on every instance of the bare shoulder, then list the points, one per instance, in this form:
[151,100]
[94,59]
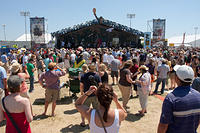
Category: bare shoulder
[24,101]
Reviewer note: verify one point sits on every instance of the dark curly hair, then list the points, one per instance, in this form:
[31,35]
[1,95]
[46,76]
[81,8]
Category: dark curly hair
[105,97]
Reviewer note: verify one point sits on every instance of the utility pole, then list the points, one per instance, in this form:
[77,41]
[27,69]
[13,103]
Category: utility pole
[25,14]
[4,31]
[195,28]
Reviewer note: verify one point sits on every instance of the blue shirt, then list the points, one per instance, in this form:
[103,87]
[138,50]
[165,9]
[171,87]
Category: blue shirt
[4,58]
[86,81]
[46,62]
[181,110]
[3,75]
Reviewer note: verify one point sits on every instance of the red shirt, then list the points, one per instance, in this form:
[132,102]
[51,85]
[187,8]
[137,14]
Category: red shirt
[133,70]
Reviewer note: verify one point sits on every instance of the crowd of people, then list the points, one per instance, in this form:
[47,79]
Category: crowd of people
[130,69]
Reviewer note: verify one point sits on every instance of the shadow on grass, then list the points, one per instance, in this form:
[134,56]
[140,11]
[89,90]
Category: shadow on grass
[133,117]
[3,123]
[65,100]
[74,129]
[73,111]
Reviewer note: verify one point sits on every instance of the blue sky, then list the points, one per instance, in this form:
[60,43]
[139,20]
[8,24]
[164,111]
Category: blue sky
[181,15]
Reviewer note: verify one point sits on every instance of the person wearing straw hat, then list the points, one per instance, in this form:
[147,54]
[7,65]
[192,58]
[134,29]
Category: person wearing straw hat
[17,70]
[143,88]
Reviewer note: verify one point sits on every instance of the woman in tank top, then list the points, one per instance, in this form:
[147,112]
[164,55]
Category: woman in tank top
[111,118]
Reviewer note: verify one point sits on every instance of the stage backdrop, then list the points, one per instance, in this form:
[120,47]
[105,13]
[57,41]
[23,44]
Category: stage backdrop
[37,30]
[159,29]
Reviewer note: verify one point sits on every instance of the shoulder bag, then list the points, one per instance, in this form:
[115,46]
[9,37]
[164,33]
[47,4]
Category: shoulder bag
[10,117]
[101,121]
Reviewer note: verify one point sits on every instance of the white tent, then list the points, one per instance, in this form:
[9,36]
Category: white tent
[189,40]
[48,38]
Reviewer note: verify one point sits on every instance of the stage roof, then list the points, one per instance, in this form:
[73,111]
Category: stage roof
[105,22]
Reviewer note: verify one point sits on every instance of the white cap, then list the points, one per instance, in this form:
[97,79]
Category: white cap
[185,73]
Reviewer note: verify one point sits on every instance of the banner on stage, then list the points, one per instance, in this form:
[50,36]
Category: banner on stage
[37,30]
[159,29]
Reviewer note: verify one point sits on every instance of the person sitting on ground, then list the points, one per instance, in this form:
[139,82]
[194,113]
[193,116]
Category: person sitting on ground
[19,107]
[107,118]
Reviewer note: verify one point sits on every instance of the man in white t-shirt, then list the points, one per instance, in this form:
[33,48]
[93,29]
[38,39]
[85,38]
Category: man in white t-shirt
[105,58]
[110,58]
[25,59]
[73,58]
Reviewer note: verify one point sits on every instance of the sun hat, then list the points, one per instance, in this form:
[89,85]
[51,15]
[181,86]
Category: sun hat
[185,73]
[92,67]
[1,63]
[13,61]
[143,67]
[15,67]
[14,81]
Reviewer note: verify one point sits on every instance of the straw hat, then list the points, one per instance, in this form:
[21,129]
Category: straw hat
[143,67]
[92,67]
[15,67]
[1,63]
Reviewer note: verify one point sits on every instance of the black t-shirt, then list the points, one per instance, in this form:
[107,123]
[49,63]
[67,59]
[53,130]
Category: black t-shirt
[104,78]
[86,81]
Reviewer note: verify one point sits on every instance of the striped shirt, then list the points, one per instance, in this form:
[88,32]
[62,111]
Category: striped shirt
[181,110]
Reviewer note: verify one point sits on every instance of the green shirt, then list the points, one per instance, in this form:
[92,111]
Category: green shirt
[30,67]
[54,57]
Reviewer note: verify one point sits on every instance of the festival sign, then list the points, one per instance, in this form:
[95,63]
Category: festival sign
[158,29]
[37,30]
[147,40]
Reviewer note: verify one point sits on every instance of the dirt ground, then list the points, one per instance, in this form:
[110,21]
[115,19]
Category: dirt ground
[67,118]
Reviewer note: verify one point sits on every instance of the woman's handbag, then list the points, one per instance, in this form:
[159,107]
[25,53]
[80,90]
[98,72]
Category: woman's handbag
[10,117]
[101,121]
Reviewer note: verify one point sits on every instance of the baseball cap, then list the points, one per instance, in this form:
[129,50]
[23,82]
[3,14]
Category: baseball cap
[185,73]
[14,81]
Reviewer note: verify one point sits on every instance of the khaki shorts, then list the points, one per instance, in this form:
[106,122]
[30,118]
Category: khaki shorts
[52,95]
[91,100]
[2,93]
[25,94]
